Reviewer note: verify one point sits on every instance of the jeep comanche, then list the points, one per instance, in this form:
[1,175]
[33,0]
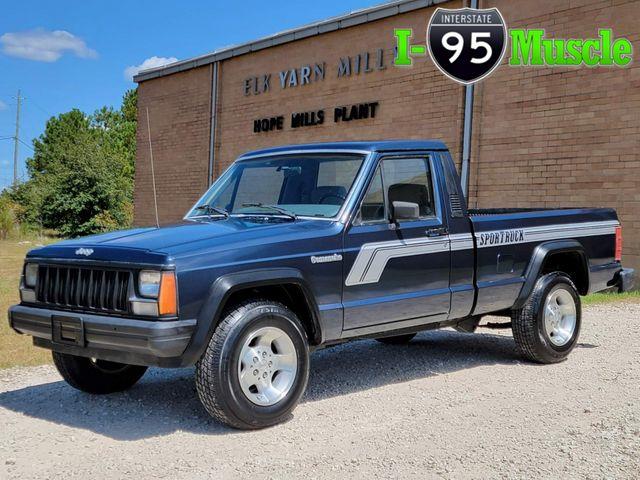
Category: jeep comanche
[299,247]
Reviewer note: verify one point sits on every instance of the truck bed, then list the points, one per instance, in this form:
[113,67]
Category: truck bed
[474,212]
[506,240]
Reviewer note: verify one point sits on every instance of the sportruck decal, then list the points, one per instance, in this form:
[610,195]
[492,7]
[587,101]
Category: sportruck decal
[502,237]
[372,258]
[543,233]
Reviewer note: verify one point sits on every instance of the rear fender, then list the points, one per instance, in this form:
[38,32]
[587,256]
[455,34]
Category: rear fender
[540,254]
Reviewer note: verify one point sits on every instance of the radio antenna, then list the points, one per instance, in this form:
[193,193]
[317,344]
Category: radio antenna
[153,173]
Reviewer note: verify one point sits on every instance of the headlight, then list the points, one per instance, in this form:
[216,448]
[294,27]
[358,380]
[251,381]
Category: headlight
[160,286]
[30,275]
[149,283]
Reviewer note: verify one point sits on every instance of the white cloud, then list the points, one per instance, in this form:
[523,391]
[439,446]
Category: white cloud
[44,46]
[3,106]
[152,62]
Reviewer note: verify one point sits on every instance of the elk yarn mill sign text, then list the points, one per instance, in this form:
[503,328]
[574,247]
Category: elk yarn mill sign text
[362,63]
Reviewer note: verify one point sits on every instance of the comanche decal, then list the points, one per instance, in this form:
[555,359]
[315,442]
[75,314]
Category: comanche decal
[326,258]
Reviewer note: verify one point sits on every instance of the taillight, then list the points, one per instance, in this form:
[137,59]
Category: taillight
[619,244]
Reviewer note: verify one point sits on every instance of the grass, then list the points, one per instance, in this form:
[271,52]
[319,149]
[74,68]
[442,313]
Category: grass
[17,350]
[611,297]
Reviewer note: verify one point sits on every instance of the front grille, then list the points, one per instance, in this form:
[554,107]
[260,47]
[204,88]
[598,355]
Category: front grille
[83,288]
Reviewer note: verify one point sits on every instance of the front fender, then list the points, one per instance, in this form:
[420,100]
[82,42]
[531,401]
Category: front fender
[223,287]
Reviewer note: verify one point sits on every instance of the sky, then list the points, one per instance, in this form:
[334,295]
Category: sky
[81,54]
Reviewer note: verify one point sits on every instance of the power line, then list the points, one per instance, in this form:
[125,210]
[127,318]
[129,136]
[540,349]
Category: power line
[35,104]
[26,145]
[20,140]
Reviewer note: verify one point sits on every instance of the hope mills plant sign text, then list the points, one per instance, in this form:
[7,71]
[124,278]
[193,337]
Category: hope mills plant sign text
[358,111]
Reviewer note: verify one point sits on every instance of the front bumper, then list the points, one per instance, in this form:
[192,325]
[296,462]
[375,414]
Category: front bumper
[137,342]
[626,279]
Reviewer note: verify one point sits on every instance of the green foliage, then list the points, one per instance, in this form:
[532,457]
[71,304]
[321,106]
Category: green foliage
[7,217]
[10,227]
[81,173]
[611,297]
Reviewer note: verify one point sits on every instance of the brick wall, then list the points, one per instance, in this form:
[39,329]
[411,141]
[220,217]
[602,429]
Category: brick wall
[541,136]
[179,110]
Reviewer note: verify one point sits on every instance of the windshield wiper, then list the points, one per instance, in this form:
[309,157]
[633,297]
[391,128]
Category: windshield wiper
[275,208]
[209,209]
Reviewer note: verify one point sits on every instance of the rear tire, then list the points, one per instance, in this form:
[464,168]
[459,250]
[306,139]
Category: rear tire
[547,327]
[97,376]
[255,369]
[397,339]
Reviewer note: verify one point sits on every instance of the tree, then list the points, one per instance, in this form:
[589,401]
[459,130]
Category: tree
[81,173]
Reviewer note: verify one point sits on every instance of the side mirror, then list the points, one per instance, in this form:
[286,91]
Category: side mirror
[405,211]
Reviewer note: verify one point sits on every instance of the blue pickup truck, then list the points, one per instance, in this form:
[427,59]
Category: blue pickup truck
[301,247]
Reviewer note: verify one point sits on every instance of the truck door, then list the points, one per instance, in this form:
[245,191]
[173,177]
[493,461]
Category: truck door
[396,275]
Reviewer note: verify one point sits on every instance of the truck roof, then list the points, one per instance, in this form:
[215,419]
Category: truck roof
[372,146]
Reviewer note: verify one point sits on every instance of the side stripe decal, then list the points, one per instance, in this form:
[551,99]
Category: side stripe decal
[547,232]
[373,257]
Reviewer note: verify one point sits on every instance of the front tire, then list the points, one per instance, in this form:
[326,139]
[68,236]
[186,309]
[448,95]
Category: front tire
[97,376]
[255,369]
[546,329]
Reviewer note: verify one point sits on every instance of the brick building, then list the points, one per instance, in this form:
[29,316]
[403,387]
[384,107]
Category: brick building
[560,136]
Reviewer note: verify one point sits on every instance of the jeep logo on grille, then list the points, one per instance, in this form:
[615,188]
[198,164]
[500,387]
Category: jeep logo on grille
[84,251]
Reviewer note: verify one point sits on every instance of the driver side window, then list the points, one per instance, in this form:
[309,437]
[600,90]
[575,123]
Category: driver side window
[409,180]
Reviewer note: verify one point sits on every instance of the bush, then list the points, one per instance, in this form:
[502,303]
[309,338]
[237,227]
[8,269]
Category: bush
[11,227]
[7,218]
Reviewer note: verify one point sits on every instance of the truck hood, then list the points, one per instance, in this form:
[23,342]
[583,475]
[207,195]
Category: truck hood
[161,245]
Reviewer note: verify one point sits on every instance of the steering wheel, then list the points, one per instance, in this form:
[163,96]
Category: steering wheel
[340,197]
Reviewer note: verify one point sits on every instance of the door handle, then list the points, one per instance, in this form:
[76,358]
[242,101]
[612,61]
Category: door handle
[436,232]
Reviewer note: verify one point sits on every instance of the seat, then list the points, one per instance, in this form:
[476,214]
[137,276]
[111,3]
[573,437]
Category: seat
[414,193]
[329,195]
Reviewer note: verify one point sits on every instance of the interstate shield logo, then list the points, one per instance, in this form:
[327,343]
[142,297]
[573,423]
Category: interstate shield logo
[467,44]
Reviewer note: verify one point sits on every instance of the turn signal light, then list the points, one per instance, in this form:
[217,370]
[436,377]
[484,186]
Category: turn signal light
[168,297]
[619,244]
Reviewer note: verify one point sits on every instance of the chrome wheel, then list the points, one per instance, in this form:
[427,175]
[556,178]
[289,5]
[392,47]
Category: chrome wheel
[560,317]
[268,366]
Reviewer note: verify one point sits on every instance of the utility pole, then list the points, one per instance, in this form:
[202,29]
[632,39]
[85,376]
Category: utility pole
[16,141]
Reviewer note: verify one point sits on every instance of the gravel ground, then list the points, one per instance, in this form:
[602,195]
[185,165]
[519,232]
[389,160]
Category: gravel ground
[448,405]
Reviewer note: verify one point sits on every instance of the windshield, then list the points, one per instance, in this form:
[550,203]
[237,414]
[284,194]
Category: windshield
[290,185]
